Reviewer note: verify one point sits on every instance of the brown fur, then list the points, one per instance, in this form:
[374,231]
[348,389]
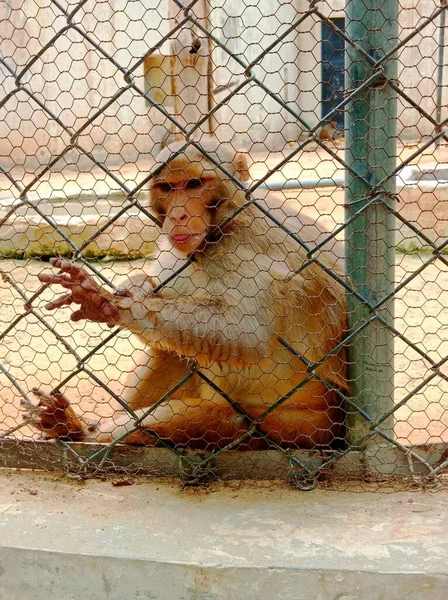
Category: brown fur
[329,131]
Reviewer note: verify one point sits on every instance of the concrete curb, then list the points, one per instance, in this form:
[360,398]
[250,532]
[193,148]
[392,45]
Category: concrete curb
[153,540]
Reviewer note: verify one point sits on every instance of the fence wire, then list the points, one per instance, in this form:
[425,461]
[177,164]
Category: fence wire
[90,94]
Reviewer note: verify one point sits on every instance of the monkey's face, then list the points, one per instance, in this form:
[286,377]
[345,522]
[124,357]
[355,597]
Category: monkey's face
[186,208]
[191,194]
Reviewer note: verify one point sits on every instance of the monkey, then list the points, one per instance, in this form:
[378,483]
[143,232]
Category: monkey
[330,131]
[242,304]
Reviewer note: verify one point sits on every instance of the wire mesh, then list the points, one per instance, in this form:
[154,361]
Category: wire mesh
[91,93]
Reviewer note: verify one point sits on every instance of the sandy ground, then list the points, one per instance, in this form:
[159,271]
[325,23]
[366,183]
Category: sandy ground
[313,163]
[33,356]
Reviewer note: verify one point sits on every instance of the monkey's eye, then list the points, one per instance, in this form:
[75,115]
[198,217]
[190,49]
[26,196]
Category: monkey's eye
[193,184]
[160,208]
[165,187]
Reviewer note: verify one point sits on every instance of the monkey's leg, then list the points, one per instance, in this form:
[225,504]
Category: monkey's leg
[190,422]
[156,373]
[298,428]
[312,422]
[55,418]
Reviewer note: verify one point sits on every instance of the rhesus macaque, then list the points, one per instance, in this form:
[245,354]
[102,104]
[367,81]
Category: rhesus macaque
[225,311]
[329,131]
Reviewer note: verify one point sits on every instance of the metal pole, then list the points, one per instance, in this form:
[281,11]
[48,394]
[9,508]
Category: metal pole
[440,67]
[371,136]
[210,84]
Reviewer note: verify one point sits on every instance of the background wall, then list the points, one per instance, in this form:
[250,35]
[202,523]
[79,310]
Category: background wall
[74,80]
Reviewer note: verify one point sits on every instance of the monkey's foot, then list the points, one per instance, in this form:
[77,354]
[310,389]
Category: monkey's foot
[54,417]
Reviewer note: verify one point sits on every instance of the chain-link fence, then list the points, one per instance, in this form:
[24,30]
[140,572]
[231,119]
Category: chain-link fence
[303,335]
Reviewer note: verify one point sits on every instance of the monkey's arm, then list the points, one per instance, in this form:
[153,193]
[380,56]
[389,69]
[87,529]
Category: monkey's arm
[97,304]
[204,327]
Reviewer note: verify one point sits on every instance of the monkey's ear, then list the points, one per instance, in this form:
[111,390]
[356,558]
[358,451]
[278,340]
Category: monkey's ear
[241,167]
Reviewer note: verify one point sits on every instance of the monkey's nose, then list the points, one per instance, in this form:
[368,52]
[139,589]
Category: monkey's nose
[179,217]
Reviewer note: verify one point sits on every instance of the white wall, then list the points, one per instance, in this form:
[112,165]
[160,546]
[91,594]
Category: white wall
[74,80]
[254,118]
[418,68]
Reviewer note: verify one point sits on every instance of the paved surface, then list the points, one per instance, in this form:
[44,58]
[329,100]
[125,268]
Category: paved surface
[153,540]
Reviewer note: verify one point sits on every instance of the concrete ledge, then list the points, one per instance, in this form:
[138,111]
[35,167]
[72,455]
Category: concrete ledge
[51,575]
[153,540]
[376,460]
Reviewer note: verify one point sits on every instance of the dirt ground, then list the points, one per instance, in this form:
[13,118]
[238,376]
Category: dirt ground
[34,356]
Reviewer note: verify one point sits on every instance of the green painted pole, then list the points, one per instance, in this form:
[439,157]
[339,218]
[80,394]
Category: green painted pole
[371,135]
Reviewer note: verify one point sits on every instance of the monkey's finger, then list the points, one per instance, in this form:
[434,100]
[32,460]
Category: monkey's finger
[78,315]
[71,276]
[59,400]
[32,421]
[56,400]
[36,412]
[64,264]
[68,266]
[64,300]
[90,299]
[97,316]
[102,313]
[38,393]
[109,309]
[88,283]
[59,279]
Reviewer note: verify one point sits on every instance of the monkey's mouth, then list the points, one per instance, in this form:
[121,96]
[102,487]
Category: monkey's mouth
[181,238]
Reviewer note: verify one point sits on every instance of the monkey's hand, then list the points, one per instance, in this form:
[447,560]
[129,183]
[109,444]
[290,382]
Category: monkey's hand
[54,417]
[97,304]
